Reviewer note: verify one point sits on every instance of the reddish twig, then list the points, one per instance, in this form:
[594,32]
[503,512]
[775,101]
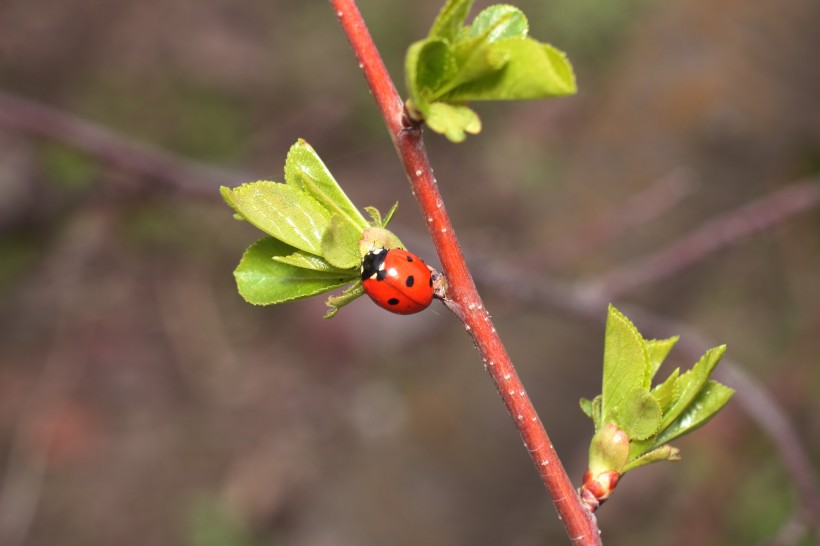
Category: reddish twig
[710,237]
[462,296]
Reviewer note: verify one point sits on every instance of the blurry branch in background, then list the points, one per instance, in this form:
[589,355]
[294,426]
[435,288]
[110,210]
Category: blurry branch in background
[36,119]
[587,301]
[713,235]
[60,280]
[634,212]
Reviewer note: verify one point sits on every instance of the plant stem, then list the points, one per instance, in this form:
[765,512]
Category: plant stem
[462,296]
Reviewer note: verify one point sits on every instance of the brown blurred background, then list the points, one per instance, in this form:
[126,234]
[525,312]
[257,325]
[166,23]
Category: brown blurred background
[142,402]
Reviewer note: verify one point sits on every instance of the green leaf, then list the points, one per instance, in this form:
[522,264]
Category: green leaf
[453,121]
[263,281]
[658,349]
[305,260]
[499,21]
[492,24]
[340,244]
[691,382]
[375,215]
[662,453]
[528,70]
[586,407]
[597,414]
[491,59]
[639,415]
[379,221]
[668,391]
[389,215]
[429,65]
[593,410]
[305,171]
[648,418]
[337,302]
[282,211]
[625,362]
[473,63]
[471,52]
[450,19]
[710,399]
[411,68]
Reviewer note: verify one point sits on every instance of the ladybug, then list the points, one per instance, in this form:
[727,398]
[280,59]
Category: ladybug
[397,280]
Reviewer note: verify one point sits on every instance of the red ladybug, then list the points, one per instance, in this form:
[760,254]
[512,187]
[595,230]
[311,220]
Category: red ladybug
[397,280]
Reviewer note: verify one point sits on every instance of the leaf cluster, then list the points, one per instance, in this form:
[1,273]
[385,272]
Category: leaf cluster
[315,234]
[493,58]
[650,416]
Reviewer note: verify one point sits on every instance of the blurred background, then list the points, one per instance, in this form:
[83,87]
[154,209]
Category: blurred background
[143,402]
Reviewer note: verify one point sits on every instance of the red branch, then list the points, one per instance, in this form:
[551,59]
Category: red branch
[462,296]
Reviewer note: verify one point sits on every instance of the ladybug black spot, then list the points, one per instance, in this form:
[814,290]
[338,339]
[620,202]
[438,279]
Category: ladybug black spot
[409,258]
[410,281]
[393,301]
[431,281]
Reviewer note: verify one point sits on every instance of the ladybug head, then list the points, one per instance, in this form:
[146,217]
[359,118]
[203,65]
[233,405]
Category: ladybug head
[373,264]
